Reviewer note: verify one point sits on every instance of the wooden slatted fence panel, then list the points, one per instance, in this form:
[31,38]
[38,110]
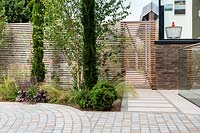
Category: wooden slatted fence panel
[138,53]
[16,56]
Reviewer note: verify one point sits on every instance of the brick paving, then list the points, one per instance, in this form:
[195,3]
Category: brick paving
[16,117]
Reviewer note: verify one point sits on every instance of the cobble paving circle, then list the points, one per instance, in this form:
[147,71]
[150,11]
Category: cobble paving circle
[17,117]
[50,118]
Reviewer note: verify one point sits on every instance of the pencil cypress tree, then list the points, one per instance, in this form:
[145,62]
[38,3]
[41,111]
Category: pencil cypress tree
[38,67]
[89,38]
[2,23]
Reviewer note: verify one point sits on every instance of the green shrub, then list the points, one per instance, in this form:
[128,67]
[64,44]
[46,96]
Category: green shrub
[82,98]
[32,90]
[103,95]
[8,89]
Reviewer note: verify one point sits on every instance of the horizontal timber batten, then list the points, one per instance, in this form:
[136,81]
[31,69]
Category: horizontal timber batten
[138,54]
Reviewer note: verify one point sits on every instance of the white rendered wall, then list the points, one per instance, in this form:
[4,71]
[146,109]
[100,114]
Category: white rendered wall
[180,20]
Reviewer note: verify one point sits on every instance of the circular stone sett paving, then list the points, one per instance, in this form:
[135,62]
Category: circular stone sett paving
[17,117]
[50,118]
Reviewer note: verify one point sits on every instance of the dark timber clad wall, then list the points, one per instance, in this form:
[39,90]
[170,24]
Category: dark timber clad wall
[167,61]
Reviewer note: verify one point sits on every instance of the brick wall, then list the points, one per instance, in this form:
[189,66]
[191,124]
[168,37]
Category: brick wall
[167,61]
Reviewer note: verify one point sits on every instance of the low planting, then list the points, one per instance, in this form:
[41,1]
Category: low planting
[43,93]
[8,89]
[25,91]
[55,94]
[104,96]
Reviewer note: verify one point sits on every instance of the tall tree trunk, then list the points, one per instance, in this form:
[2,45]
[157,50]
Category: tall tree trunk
[89,49]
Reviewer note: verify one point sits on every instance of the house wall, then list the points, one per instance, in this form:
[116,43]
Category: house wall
[180,20]
[167,69]
[196,19]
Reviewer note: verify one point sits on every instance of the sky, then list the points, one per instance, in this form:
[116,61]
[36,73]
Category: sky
[136,8]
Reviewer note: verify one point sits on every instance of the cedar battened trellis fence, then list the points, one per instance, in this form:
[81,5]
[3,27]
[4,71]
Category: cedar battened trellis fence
[16,57]
[138,53]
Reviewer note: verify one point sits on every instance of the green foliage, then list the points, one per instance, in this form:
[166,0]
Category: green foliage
[8,89]
[108,13]
[16,10]
[38,67]
[2,23]
[103,95]
[55,94]
[32,91]
[82,98]
[64,30]
[89,48]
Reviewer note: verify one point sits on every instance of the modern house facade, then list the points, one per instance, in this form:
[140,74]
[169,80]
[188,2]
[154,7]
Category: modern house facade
[177,59]
[150,12]
[184,13]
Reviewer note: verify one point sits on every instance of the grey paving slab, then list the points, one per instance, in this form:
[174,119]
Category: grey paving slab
[50,118]
[148,122]
[150,105]
[179,102]
[147,109]
[148,100]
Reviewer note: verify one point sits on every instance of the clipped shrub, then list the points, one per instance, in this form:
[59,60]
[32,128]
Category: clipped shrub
[82,98]
[103,95]
[8,89]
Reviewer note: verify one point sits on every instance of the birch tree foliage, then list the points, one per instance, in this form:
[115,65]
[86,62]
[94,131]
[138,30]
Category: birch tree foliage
[64,29]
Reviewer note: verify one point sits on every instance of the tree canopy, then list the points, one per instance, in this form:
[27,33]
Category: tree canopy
[65,27]
[16,10]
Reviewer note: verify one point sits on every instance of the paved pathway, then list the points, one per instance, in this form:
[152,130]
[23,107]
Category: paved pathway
[148,100]
[16,117]
[141,122]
